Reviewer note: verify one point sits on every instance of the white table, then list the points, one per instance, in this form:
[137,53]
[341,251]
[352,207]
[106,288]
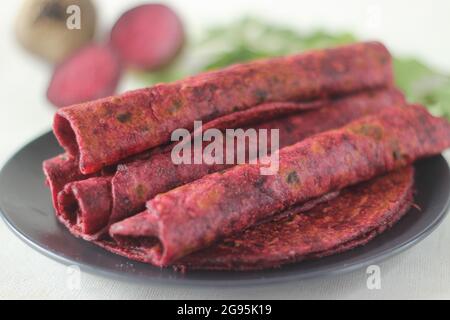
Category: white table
[406,26]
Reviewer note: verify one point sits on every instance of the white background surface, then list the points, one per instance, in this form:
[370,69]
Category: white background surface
[419,28]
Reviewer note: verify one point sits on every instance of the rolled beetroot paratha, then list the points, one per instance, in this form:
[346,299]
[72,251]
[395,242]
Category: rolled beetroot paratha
[351,219]
[88,207]
[59,171]
[195,215]
[63,169]
[104,131]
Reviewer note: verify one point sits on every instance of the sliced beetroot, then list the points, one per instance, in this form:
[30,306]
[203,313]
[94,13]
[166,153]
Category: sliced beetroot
[91,73]
[148,36]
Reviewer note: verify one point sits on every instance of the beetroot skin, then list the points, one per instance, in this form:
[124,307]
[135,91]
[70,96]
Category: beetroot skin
[148,36]
[91,73]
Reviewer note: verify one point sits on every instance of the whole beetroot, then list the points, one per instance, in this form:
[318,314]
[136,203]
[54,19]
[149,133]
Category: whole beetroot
[147,36]
[44,27]
[90,73]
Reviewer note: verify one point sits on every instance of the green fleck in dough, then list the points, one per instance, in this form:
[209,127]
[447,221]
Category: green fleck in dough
[292,178]
[124,117]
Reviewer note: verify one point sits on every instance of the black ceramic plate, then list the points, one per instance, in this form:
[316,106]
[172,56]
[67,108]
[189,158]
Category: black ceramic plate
[27,210]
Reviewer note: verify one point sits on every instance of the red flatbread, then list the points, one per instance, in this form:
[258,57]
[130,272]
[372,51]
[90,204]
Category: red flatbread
[125,193]
[105,131]
[195,215]
[357,215]
[334,225]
